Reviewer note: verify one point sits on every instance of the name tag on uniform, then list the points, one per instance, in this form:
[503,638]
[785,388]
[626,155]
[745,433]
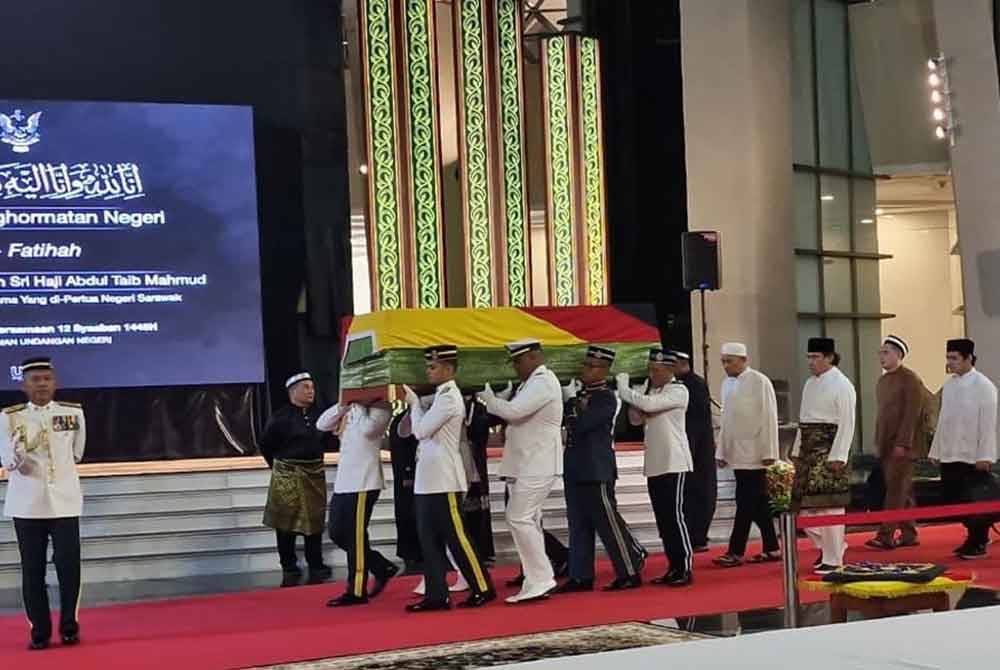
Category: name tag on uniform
[65,422]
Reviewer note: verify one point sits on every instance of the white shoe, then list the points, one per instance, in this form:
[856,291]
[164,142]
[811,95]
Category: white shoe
[459,585]
[532,592]
[421,587]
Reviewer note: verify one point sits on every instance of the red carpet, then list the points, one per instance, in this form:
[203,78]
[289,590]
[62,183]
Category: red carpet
[274,626]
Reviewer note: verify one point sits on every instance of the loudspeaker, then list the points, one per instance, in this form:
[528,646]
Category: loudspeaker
[581,18]
[700,258]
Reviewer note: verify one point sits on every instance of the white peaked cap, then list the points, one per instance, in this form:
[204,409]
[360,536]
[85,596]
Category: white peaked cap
[734,349]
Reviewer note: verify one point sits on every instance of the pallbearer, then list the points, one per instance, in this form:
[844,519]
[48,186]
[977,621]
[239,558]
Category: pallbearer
[660,404]
[355,491]
[701,487]
[440,486]
[292,445]
[40,444]
[589,473]
[822,447]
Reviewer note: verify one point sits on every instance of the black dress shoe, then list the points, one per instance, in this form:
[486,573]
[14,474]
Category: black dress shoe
[478,599]
[319,575]
[429,606]
[381,582]
[71,640]
[346,600]
[700,548]
[678,578]
[516,582]
[574,586]
[413,568]
[290,578]
[38,645]
[625,584]
[643,555]
[559,570]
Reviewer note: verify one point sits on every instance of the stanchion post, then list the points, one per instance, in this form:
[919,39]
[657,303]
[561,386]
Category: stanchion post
[790,565]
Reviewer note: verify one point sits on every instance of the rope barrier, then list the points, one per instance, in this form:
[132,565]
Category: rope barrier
[891,516]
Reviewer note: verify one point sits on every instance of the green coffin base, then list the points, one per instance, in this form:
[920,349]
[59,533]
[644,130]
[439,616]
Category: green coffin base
[479,366]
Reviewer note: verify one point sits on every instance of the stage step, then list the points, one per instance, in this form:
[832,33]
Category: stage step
[147,527]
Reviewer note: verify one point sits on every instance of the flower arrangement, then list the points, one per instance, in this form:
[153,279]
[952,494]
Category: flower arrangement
[780,480]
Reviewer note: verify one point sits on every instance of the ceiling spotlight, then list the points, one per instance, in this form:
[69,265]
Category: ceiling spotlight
[938,114]
[867,221]
[934,80]
[940,133]
[931,64]
[826,198]
[363,169]
[936,97]
[878,211]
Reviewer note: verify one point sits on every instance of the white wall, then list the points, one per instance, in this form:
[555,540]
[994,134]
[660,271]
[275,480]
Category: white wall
[737,81]
[916,286]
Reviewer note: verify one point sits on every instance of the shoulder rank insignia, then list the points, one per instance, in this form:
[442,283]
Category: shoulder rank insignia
[14,408]
[63,403]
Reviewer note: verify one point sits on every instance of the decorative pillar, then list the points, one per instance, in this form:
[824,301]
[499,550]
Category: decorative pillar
[592,182]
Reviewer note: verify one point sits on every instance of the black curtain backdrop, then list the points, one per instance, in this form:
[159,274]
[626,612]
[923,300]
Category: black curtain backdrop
[283,58]
[644,159]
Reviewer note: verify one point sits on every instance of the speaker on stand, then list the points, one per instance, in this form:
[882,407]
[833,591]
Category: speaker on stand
[702,272]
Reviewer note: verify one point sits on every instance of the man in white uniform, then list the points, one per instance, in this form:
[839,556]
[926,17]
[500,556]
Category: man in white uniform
[532,460]
[355,491]
[965,442]
[41,443]
[748,443]
[440,484]
[661,405]
[822,448]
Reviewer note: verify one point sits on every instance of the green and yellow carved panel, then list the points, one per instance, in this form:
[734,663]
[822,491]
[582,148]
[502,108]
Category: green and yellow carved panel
[425,197]
[593,171]
[560,166]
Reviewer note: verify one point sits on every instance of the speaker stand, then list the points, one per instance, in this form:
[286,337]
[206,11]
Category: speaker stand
[704,339]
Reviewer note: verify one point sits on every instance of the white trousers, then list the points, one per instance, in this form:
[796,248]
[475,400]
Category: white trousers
[524,518]
[831,540]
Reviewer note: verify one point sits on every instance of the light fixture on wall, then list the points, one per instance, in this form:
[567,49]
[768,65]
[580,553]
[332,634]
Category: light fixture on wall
[942,113]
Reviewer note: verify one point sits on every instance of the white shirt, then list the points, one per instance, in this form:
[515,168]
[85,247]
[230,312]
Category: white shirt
[830,398]
[664,411]
[967,425]
[360,465]
[533,446]
[439,457]
[749,434]
[39,448]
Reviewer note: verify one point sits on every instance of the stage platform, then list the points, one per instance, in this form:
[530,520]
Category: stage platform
[272,626]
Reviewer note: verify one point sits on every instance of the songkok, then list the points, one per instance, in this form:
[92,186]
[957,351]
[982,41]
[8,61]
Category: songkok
[296,378]
[657,355]
[899,343]
[521,347]
[962,346]
[601,353]
[37,363]
[734,349]
[822,345]
[682,356]
[441,352]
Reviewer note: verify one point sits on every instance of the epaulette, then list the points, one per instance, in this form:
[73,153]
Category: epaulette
[14,408]
[63,403]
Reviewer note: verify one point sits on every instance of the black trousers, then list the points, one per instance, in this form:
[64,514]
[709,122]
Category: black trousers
[288,557]
[407,541]
[752,506]
[33,543]
[440,527]
[591,510]
[556,551]
[956,479]
[350,514]
[666,493]
[701,489]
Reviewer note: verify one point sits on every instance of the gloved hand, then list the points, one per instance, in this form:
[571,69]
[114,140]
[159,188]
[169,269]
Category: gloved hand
[623,381]
[571,389]
[411,397]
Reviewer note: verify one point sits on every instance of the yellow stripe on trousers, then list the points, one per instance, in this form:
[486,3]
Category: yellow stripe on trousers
[470,554]
[359,544]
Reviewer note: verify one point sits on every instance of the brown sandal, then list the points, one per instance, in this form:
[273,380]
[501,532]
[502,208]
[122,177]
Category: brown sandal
[728,561]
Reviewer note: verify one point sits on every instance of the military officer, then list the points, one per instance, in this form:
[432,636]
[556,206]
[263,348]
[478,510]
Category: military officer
[589,473]
[440,485]
[293,447]
[359,482]
[41,443]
